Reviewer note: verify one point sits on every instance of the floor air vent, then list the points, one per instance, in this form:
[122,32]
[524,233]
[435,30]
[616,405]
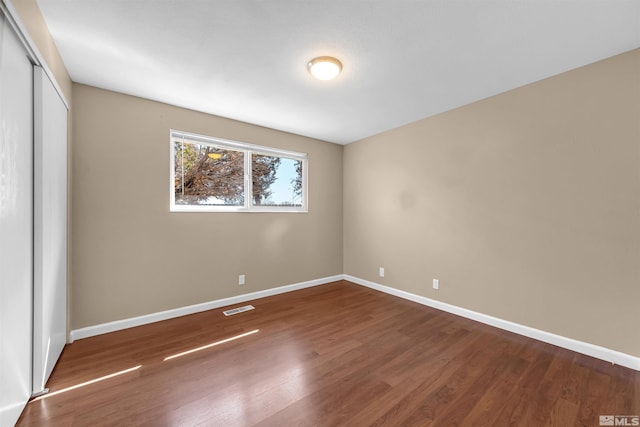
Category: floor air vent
[238,310]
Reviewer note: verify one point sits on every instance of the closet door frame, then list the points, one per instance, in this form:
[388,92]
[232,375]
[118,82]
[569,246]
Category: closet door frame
[47,311]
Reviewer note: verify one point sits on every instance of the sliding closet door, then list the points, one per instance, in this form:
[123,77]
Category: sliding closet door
[50,229]
[16,224]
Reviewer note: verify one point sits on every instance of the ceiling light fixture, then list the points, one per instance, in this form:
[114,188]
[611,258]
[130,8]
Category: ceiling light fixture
[324,67]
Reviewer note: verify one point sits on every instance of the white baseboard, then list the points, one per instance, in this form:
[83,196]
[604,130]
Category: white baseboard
[117,325]
[596,351]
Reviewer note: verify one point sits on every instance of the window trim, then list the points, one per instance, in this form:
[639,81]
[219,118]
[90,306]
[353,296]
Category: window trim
[248,150]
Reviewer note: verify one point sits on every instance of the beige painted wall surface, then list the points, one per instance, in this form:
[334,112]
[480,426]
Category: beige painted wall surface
[32,18]
[525,205]
[131,256]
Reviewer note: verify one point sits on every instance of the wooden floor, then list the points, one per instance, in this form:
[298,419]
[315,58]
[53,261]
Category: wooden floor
[337,354]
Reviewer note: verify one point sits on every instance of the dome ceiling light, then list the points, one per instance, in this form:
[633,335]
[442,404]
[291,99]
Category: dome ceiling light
[324,67]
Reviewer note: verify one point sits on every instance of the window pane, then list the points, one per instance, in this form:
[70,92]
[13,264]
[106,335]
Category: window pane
[277,181]
[207,175]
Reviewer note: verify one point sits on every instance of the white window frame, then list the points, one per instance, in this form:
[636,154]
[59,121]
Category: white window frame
[248,150]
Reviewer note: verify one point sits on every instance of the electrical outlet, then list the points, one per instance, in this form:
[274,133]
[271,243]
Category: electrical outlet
[381,272]
[241,279]
[436,284]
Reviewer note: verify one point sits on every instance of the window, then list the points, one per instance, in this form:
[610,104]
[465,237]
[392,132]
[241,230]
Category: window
[212,174]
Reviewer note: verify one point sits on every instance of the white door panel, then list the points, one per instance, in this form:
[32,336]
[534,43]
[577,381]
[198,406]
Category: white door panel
[50,229]
[16,224]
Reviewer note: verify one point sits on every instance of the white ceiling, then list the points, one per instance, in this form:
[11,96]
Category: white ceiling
[403,59]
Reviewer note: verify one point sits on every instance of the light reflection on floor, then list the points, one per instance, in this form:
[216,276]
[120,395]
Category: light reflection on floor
[86,383]
[204,347]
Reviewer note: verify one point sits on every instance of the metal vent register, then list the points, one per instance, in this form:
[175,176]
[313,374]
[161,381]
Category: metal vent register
[238,310]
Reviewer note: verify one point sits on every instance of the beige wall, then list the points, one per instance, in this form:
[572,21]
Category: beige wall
[131,256]
[526,205]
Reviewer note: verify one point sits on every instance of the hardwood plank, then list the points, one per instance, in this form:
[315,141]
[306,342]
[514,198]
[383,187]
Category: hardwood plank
[513,409]
[333,355]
